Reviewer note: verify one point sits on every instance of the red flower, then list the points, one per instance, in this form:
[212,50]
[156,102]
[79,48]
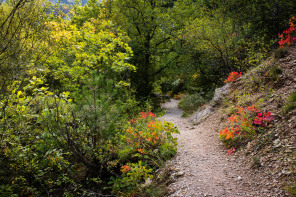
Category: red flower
[146,114]
[233,76]
[232,150]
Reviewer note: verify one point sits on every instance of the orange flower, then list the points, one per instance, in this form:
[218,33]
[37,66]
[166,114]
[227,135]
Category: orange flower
[223,132]
[230,135]
[141,151]
[147,114]
[252,108]
[233,76]
[125,168]
[232,119]
[239,109]
[129,130]
[151,124]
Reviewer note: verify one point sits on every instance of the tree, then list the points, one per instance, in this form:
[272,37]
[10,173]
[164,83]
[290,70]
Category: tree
[21,37]
[265,18]
[151,28]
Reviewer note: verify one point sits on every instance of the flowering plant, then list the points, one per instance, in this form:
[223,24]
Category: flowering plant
[144,141]
[263,119]
[289,35]
[233,76]
[243,126]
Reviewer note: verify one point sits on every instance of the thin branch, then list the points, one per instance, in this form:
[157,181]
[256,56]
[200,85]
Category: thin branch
[13,11]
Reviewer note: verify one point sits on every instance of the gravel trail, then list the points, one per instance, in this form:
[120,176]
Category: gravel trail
[203,160]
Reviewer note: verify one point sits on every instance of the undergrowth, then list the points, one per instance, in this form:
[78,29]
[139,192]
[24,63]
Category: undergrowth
[290,103]
[190,103]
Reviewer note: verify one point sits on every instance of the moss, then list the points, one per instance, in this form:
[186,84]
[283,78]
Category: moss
[292,97]
[256,162]
[289,107]
[290,103]
[292,189]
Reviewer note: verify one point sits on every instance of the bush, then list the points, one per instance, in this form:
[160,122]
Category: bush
[51,145]
[178,96]
[280,53]
[190,103]
[142,148]
[243,126]
[274,72]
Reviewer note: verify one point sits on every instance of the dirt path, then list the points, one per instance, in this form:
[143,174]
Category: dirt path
[207,169]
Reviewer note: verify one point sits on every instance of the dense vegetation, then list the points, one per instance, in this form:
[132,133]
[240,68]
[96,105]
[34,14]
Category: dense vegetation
[77,82]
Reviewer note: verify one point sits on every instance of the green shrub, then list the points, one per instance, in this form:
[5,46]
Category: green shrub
[274,72]
[292,97]
[142,148]
[243,126]
[51,145]
[289,107]
[256,162]
[290,103]
[190,103]
[280,53]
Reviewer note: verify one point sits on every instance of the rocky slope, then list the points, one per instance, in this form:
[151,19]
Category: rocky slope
[263,167]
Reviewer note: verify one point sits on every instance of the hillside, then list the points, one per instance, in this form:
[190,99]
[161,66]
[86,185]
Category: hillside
[271,87]
[263,165]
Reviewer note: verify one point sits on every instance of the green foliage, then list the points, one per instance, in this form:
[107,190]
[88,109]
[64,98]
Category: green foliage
[51,144]
[243,126]
[143,147]
[290,103]
[280,53]
[256,162]
[59,120]
[152,29]
[292,189]
[68,113]
[274,72]
[97,45]
[22,38]
[292,97]
[129,183]
[263,18]
[190,103]
[32,156]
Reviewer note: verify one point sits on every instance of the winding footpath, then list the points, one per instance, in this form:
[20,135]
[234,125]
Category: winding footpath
[203,162]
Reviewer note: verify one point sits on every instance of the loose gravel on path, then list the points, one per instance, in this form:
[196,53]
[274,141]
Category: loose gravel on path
[203,160]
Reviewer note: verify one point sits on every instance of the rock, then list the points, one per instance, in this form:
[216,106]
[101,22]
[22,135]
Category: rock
[277,143]
[147,183]
[201,115]
[179,174]
[205,112]
[239,178]
[220,93]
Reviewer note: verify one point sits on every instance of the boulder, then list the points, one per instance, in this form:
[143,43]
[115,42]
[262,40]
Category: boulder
[220,93]
[204,112]
[201,115]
